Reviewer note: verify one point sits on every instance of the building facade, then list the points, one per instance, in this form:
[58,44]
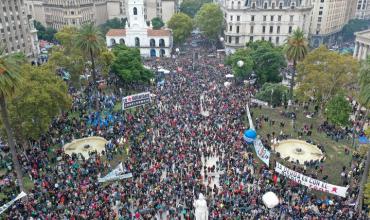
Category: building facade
[152,43]
[270,20]
[363,9]
[328,19]
[16,29]
[362,45]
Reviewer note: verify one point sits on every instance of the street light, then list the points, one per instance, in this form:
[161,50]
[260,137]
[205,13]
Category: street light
[177,50]
[222,39]
[240,63]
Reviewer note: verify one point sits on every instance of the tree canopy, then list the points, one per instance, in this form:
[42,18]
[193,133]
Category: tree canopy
[353,26]
[44,33]
[41,96]
[181,25]
[268,61]
[114,23]
[191,7]
[157,23]
[323,74]
[273,93]
[128,66]
[338,110]
[364,83]
[209,19]
[247,68]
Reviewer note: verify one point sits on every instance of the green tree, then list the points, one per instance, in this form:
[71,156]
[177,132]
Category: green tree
[296,50]
[268,61]
[44,33]
[157,23]
[9,81]
[353,26]
[209,19]
[181,25]
[90,42]
[128,66]
[364,83]
[241,55]
[191,7]
[273,93]
[338,110]
[114,23]
[323,74]
[67,37]
[41,96]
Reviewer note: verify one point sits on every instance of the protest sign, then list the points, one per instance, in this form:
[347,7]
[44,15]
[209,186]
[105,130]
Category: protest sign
[135,100]
[261,151]
[310,182]
[116,174]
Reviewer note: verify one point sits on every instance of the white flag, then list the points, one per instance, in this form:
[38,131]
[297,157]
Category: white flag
[117,173]
[7,205]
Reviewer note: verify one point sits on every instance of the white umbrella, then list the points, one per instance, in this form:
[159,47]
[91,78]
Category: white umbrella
[270,200]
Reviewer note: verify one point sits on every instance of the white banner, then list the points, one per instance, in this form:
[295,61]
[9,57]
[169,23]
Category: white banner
[132,101]
[117,173]
[7,205]
[262,152]
[310,182]
[259,102]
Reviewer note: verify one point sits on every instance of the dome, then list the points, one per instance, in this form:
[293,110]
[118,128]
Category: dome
[250,135]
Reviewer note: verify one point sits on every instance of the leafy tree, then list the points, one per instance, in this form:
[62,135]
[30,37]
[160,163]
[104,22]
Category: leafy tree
[9,80]
[338,110]
[67,37]
[296,50]
[41,96]
[90,42]
[268,61]
[191,7]
[114,23]
[273,93]
[128,66]
[364,82]
[247,68]
[181,25]
[353,26]
[44,33]
[323,74]
[157,23]
[209,19]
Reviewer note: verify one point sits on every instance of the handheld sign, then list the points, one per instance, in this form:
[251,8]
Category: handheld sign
[135,100]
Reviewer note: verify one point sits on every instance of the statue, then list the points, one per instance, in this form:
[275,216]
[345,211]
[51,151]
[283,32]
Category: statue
[201,209]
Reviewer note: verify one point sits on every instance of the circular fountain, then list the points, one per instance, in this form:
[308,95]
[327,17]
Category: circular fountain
[85,145]
[298,150]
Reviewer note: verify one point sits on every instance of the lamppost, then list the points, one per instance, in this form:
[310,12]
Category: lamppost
[222,46]
[272,92]
[177,54]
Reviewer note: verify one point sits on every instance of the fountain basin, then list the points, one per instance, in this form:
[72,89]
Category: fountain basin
[298,150]
[85,145]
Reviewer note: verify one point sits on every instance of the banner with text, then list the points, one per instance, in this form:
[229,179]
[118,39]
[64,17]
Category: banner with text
[132,101]
[261,151]
[310,182]
[116,174]
[10,203]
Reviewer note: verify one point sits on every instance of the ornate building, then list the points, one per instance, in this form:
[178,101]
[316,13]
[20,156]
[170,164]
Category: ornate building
[363,9]
[152,43]
[270,20]
[362,45]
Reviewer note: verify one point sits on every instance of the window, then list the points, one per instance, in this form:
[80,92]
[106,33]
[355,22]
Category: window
[161,43]
[265,5]
[271,29]
[280,5]
[237,29]
[319,19]
[270,39]
[137,42]
[273,5]
[229,39]
[262,38]
[292,6]
[272,18]
[231,18]
[231,28]
[135,11]
[238,18]
[278,29]
[252,18]
[122,41]
[252,28]
[152,43]
[320,12]
[237,40]
[264,18]
[277,40]
[251,39]
[291,18]
[279,18]
[253,5]
[290,29]
[263,29]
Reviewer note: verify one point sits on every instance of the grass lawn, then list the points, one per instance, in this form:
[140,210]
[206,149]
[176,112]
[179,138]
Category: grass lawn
[336,157]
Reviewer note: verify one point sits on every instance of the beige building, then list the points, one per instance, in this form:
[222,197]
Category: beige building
[16,29]
[328,19]
[363,9]
[362,45]
[35,8]
[270,20]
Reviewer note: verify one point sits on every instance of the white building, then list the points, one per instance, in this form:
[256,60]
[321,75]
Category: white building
[152,43]
[270,20]
[363,9]
[362,45]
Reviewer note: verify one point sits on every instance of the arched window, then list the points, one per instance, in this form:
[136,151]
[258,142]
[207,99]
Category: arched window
[253,5]
[152,43]
[281,5]
[265,5]
[112,42]
[239,5]
[162,52]
[161,43]
[137,42]
[292,6]
[135,11]
[122,41]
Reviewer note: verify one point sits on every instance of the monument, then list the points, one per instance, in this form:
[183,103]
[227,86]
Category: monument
[201,209]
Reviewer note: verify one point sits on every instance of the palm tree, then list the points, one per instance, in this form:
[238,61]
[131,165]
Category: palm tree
[296,50]
[9,80]
[90,41]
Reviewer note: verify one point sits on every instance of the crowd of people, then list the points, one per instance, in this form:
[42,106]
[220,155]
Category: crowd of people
[167,145]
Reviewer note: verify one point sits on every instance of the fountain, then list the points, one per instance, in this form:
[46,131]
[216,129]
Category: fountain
[85,145]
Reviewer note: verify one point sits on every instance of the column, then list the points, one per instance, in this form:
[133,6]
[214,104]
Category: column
[356,50]
[366,50]
[359,55]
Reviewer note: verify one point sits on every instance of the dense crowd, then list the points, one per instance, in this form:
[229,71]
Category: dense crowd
[174,153]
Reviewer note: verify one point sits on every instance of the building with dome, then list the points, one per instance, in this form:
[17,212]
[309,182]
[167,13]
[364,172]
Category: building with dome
[152,43]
